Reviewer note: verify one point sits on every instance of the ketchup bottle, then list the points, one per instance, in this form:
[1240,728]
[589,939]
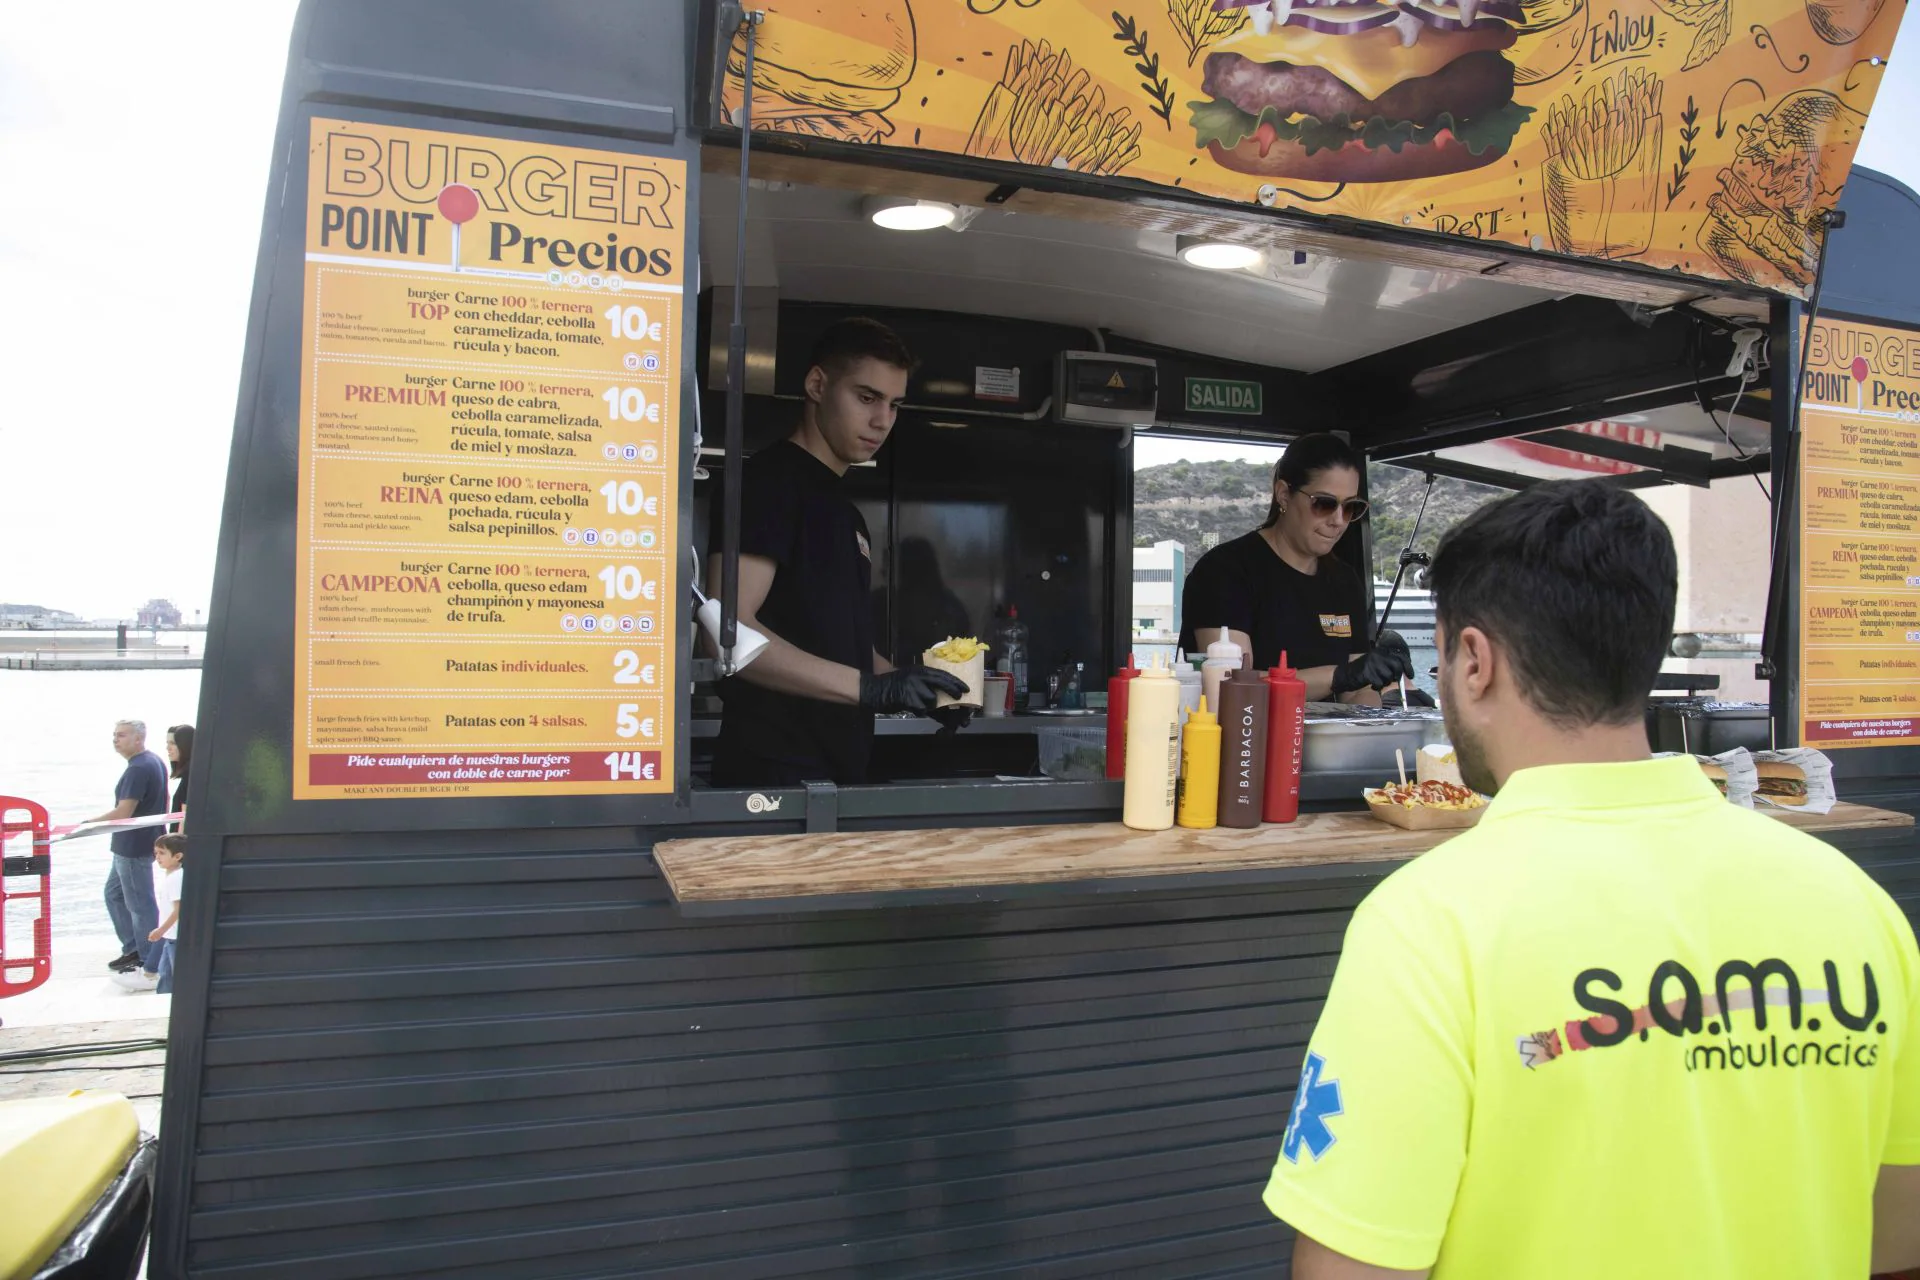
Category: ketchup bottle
[1117,719]
[1286,739]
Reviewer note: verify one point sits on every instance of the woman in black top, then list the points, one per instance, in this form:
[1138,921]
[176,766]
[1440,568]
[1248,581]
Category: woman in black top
[180,753]
[1279,588]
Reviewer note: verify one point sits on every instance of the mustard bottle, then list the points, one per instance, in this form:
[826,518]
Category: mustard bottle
[1199,806]
[1153,749]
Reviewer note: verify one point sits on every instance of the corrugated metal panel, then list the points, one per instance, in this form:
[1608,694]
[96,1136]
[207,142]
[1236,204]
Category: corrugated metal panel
[532,1066]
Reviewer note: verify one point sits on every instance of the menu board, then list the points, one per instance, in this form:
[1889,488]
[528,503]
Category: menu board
[489,465]
[1860,536]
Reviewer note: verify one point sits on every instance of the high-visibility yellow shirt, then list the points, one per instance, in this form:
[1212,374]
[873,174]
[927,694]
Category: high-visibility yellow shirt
[1542,1055]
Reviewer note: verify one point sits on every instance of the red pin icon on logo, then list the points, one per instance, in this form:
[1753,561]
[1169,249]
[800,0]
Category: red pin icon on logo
[1860,369]
[458,203]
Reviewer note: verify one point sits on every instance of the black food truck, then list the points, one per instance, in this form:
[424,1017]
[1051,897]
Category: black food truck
[480,973]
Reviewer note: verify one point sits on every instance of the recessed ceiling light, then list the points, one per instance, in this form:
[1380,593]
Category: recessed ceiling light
[897,213]
[1219,255]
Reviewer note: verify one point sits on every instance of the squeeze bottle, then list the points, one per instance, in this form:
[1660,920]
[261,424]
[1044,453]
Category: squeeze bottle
[1153,749]
[1286,740]
[1188,677]
[1199,806]
[1223,659]
[1011,654]
[1243,748]
[1117,719]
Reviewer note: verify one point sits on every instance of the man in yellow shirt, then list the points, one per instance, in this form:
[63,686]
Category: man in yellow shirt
[1621,1027]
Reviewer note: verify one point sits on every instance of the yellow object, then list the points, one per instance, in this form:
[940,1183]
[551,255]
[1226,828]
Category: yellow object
[1526,1037]
[1153,749]
[966,661]
[962,649]
[57,1155]
[1199,806]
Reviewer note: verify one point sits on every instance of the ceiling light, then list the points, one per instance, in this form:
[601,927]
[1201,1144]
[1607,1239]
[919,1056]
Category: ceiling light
[897,213]
[1219,255]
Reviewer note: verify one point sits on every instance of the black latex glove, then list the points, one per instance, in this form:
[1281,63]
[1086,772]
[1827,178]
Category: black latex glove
[1389,661]
[952,719]
[907,689]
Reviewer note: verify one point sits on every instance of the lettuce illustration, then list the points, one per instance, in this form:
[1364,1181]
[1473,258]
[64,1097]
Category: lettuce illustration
[1218,120]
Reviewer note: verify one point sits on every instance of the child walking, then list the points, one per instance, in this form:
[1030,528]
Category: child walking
[169,856]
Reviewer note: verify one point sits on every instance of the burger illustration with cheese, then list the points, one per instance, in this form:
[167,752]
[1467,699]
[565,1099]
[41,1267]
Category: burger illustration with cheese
[1362,90]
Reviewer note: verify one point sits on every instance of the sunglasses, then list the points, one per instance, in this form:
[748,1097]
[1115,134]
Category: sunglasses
[1325,504]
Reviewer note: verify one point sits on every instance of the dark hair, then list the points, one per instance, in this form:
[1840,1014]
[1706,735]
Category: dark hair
[1576,580]
[859,338]
[173,844]
[182,735]
[1306,458]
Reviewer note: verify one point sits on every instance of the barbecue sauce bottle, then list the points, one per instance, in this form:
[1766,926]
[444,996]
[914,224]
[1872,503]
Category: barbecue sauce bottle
[1286,740]
[1243,748]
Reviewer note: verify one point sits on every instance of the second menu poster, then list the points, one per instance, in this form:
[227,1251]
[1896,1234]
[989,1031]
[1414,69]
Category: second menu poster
[489,463]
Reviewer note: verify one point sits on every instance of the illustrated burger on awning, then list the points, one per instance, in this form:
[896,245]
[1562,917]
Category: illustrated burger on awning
[1360,90]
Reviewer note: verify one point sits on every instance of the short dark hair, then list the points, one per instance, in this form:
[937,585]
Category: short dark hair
[174,844]
[1576,580]
[858,338]
[1306,458]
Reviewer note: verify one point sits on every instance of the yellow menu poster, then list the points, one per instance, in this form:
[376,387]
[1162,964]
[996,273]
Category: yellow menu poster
[1860,536]
[489,463]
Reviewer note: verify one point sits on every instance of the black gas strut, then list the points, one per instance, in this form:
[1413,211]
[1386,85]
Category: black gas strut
[749,27]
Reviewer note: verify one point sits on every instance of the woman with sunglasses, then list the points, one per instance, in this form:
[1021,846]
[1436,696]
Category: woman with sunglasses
[1280,587]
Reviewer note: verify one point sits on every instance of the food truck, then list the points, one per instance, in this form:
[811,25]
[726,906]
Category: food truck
[480,975]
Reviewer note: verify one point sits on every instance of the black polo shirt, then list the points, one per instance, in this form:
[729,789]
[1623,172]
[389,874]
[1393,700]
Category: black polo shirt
[793,512]
[1318,618]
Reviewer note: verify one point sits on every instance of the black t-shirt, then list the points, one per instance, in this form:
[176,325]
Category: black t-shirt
[792,512]
[1319,619]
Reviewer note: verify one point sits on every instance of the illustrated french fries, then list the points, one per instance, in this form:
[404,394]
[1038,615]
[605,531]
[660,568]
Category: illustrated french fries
[1604,159]
[1046,110]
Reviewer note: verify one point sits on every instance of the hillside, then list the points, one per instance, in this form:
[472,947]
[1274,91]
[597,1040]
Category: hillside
[1202,504]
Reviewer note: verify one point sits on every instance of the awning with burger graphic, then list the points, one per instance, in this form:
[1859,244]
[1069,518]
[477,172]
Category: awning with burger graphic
[1674,134]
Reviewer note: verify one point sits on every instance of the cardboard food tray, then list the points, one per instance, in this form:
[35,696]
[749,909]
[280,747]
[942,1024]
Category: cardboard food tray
[1424,819]
[973,671]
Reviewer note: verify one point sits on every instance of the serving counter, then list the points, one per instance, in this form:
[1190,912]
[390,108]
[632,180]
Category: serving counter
[841,870]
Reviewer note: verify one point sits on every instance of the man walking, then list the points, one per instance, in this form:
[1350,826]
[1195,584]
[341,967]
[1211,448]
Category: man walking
[140,793]
[1621,1027]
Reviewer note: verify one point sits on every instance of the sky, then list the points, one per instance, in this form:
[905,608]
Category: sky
[135,144]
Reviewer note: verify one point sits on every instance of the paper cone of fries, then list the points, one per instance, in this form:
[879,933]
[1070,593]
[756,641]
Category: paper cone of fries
[1601,178]
[965,658]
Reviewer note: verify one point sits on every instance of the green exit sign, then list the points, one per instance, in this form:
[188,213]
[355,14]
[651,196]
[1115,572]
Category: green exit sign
[1222,395]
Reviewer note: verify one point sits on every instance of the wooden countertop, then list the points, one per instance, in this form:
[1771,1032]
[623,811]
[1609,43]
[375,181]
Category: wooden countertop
[958,863]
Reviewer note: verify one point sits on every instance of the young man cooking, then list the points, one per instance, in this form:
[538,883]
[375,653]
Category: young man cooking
[803,709]
[1621,1027]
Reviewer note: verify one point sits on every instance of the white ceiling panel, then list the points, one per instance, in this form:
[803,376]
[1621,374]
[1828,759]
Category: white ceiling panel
[817,246]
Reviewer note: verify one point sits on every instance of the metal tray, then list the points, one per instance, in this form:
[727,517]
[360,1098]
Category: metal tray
[1366,744]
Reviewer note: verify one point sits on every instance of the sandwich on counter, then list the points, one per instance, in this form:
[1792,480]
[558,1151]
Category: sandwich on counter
[1782,783]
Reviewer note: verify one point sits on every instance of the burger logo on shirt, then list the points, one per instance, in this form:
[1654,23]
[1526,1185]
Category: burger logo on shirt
[1362,90]
[1337,625]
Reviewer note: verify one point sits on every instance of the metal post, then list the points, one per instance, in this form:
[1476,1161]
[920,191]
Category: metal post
[736,373]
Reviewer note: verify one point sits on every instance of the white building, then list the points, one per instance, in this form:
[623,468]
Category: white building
[1159,573]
